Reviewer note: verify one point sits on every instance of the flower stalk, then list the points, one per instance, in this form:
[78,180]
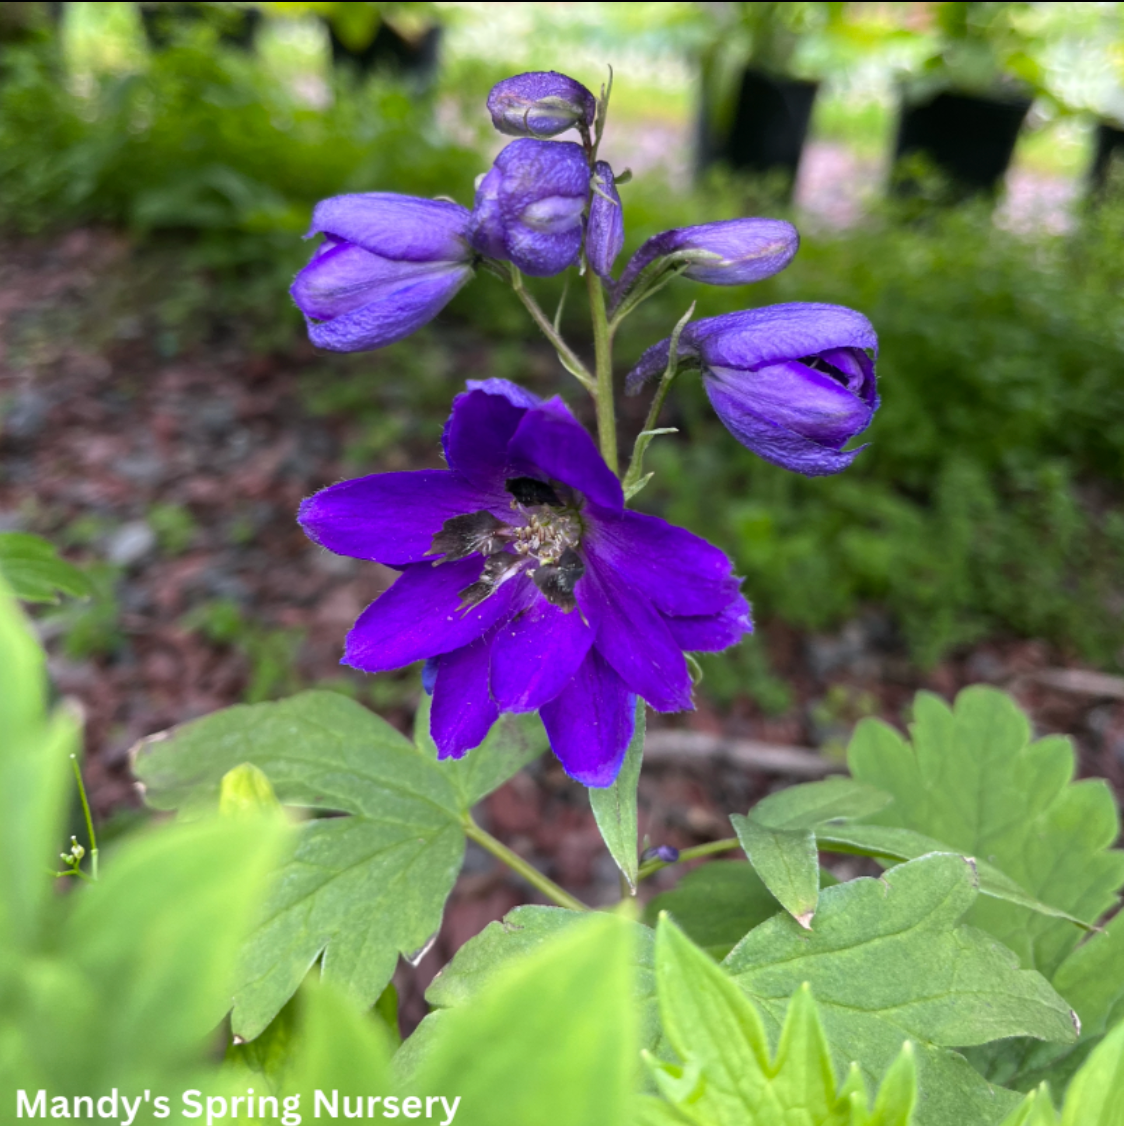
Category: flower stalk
[516,863]
[603,361]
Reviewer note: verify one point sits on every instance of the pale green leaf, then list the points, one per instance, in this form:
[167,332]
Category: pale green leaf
[357,891]
[888,961]
[973,779]
[35,573]
[513,742]
[552,1037]
[246,790]
[815,803]
[787,862]
[1036,1110]
[729,1077]
[1096,1095]
[614,807]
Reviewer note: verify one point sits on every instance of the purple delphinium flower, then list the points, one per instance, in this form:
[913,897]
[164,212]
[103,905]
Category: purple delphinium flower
[388,264]
[794,383]
[541,103]
[605,233]
[728,252]
[529,207]
[527,585]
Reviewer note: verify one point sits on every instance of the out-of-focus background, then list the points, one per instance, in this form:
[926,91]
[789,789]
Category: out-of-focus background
[957,173]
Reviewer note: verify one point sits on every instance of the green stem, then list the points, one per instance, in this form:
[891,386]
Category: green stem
[89,818]
[566,354]
[515,862]
[650,867]
[603,353]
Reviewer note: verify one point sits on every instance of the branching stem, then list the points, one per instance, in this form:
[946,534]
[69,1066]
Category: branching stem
[566,354]
[603,353]
[89,819]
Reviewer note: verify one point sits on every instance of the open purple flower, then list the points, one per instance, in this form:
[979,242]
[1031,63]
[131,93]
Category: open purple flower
[540,103]
[388,264]
[529,207]
[794,383]
[728,252]
[527,585]
[605,233]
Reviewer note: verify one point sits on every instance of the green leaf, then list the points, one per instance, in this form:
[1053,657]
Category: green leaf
[521,932]
[1094,1096]
[787,862]
[973,779]
[716,905]
[340,1051]
[246,790]
[888,962]
[887,843]
[1037,1110]
[35,779]
[728,1076]
[815,803]
[32,568]
[614,807]
[551,1038]
[357,891]
[513,742]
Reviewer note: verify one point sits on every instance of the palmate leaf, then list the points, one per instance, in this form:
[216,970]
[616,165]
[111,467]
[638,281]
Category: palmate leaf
[888,961]
[32,568]
[727,1075]
[357,891]
[973,780]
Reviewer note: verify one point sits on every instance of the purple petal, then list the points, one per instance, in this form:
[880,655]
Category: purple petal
[396,226]
[605,233]
[550,442]
[486,228]
[652,363]
[463,712]
[393,311]
[711,633]
[343,277]
[535,654]
[728,252]
[857,369]
[590,723]
[540,103]
[795,397]
[512,392]
[391,517]
[679,572]
[633,637]
[420,616]
[477,434]
[774,333]
[540,255]
[774,443]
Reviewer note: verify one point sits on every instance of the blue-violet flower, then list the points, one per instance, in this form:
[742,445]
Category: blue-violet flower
[727,252]
[605,233]
[794,383]
[530,204]
[527,585]
[388,264]
[541,103]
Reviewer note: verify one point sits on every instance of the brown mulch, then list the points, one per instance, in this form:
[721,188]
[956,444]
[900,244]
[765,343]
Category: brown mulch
[105,422]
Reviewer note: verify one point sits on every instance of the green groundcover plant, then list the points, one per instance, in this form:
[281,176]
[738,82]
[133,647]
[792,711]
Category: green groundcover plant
[234,962]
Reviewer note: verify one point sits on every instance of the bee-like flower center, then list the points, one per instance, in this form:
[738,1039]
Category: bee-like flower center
[545,545]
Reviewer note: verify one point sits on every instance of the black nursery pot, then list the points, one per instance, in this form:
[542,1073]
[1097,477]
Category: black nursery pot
[970,139]
[389,51]
[768,129]
[1109,143]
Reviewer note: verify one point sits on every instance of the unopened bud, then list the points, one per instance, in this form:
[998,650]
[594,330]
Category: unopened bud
[540,103]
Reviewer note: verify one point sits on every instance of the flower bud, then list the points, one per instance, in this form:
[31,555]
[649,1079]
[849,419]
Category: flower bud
[605,232]
[542,103]
[794,383]
[529,207]
[388,264]
[729,252]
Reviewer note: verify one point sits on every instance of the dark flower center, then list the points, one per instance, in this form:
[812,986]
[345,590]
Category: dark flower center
[544,545]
